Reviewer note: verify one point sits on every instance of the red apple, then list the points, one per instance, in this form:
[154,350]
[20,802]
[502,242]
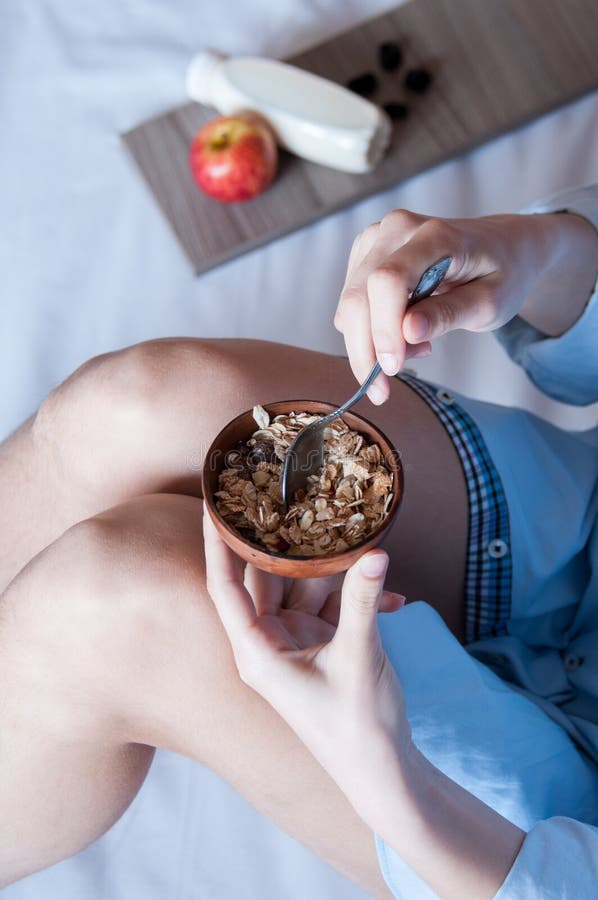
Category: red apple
[233,158]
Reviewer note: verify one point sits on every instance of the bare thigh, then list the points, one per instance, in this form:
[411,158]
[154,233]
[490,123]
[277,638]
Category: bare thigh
[109,646]
[140,420]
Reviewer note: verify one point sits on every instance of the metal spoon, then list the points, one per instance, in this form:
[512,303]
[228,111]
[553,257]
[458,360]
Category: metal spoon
[306,454]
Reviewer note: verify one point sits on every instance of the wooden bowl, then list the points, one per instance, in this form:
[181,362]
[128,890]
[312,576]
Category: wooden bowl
[240,429]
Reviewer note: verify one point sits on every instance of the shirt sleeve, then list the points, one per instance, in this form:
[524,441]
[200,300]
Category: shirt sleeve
[558,860]
[564,367]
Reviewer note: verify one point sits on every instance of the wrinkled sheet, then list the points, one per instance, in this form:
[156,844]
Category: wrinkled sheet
[89,264]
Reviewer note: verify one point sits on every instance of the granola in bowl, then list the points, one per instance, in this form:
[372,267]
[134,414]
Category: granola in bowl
[346,502]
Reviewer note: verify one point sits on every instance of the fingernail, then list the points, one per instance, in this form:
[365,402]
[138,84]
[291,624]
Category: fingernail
[421,353]
[419,327]
[376,394]
[389,363]
[374,566]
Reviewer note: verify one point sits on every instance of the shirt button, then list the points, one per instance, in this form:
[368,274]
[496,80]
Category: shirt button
[572,662]
[444,397]
[497,549]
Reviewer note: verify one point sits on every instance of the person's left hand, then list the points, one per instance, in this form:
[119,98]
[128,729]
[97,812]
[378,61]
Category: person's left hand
[318,660]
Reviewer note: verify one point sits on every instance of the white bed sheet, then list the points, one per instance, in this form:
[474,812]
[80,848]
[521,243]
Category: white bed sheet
[88,264]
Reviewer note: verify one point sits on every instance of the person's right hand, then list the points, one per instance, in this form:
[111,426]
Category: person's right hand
[495,261]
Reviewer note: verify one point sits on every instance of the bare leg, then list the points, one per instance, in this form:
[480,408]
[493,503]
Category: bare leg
[109,645]
[140,420]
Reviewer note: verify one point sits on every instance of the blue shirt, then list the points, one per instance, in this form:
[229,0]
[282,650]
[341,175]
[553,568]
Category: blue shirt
[515,742]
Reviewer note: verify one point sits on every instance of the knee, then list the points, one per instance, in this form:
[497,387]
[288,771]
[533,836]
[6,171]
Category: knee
[126,573]
[152,379]
[94,606]
[146,380]
[129,410]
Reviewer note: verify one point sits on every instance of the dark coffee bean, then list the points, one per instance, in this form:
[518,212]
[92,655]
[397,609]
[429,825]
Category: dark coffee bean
[364,84]
[390,56]
[396,110]
[418,80]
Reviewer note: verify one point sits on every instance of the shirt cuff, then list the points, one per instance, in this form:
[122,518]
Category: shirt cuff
[564,367]
[558,860]
[583,201]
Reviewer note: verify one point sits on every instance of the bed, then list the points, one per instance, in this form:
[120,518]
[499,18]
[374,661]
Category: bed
[89,264]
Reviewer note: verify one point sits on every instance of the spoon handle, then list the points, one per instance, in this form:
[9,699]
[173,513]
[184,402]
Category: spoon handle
[426,285]
[354,399]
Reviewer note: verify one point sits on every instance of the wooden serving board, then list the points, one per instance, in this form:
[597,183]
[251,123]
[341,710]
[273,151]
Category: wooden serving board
[496,64]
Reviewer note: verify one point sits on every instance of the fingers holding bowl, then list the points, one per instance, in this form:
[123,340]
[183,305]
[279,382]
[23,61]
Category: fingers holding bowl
[224,580]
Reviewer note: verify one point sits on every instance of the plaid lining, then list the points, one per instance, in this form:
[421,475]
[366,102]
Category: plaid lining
[488,576]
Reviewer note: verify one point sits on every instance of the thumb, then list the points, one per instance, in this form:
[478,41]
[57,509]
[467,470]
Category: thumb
[471,306]
[362,590]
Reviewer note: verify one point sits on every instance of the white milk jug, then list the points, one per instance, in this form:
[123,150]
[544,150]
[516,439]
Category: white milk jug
[311,116]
